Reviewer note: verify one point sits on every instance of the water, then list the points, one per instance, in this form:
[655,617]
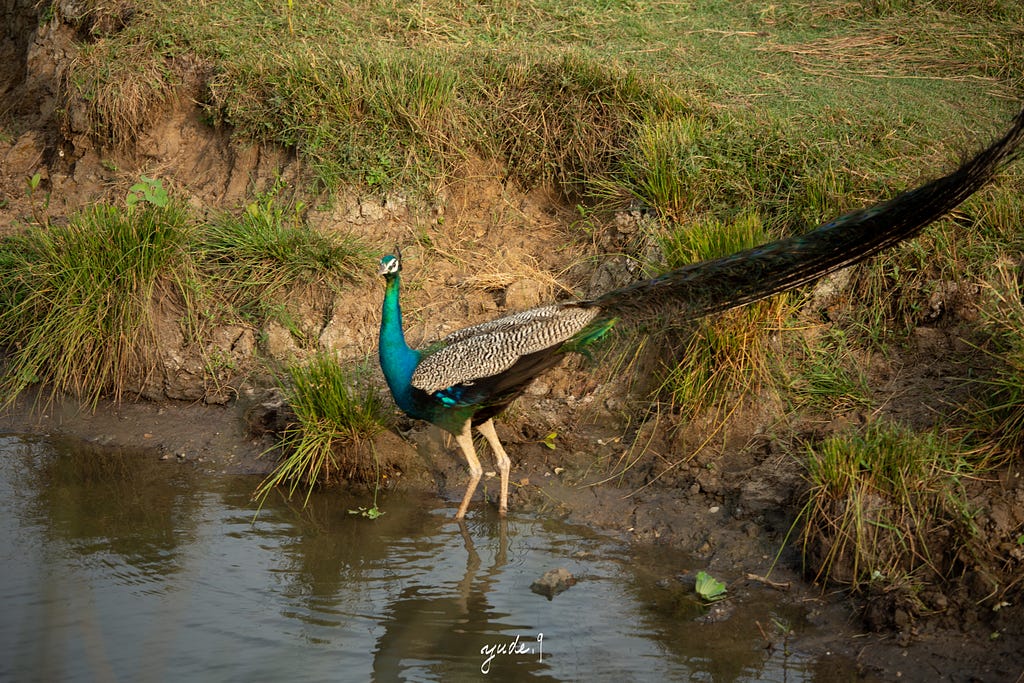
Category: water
[117,567]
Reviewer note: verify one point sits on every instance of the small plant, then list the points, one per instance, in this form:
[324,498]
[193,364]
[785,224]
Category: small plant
[289,10]
[369,513]
[708,588]
[31,189]
[335,412]
[148,190]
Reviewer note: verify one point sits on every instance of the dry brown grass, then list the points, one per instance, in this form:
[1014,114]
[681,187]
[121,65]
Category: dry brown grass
[115,100]
[885,55]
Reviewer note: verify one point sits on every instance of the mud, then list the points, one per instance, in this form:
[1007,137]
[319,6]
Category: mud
[728,502]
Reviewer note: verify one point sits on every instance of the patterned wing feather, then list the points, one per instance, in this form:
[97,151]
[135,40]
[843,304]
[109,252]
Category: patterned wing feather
[490,348]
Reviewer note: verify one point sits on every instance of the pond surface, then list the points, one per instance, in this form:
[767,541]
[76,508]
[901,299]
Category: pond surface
[119,567]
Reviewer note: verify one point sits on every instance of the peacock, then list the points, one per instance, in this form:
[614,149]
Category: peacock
[473,374]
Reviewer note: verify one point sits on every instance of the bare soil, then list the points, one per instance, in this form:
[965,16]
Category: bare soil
[483,248]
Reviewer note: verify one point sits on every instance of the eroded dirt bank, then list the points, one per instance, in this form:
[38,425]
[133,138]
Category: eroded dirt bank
[729,508]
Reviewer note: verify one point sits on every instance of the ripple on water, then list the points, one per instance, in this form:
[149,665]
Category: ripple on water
[115,570]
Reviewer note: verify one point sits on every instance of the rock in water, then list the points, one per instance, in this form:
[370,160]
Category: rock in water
[553,582]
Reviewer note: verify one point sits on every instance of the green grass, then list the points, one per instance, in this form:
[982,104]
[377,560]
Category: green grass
[996,419]
[727,355]
[336,411]
[78,302]
[391,95]
[76,299]
[884,504]
[258,258]
[829,377]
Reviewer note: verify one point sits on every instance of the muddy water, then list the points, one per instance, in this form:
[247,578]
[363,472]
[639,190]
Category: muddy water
[119,567]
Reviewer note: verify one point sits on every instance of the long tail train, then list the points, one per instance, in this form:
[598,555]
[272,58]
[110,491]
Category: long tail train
[709,287]
[470,376]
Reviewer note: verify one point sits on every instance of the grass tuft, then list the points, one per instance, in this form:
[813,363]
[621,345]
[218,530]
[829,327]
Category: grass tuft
[884,504]
[665,167]
[336,410]
[829,377]
[998,418]
[259,256]
[728,354]
[565,120]
[75,299]
[117,89]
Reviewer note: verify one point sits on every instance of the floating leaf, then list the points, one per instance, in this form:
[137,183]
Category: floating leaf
[709,588]
[369,513]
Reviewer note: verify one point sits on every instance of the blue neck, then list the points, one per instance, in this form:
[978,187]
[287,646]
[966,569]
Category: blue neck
[397,360]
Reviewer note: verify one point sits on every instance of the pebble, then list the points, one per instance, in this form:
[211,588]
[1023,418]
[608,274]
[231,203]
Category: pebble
[553,582]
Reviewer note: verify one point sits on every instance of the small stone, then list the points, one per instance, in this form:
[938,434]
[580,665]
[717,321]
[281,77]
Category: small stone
[718,612]
[553,582]
[371,210]
[538,388]
[278,341]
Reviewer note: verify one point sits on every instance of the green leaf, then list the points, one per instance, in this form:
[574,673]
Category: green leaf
[369,513]
[709,588]
[149,190]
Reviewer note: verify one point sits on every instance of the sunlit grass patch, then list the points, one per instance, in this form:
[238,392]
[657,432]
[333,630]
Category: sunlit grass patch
[565,119]
[76,299]
[336,412]
[727,354]
[563,93]
[258,257]
[893,37]
[382,118]
[667,168]
[883,504]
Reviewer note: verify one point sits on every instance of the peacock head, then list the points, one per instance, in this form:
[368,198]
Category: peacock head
[390,265]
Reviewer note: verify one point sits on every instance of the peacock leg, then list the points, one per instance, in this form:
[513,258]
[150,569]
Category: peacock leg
[465,441]
[504,464]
